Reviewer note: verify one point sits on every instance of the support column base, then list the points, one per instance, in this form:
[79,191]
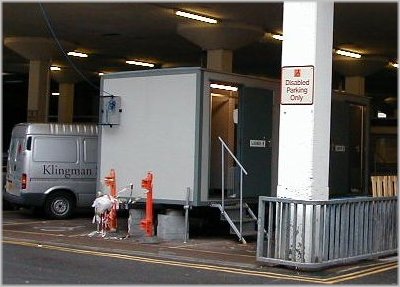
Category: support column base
[303,193]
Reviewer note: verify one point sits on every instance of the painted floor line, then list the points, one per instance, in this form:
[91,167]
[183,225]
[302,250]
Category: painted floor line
[190,245]
[330,280]
[351,277]
[172,263]
[169,247]
[31,232]
[23,223]
[212,252]
[362,273]
[77,235]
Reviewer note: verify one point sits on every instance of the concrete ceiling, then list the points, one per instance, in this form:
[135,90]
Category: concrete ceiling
[114,32]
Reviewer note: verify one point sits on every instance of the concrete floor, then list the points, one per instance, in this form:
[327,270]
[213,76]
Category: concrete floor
[218,251]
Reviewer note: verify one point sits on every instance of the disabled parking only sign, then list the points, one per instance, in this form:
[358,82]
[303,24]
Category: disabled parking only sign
[297,85]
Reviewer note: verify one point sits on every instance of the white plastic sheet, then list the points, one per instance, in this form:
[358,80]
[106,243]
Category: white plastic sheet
[102,204]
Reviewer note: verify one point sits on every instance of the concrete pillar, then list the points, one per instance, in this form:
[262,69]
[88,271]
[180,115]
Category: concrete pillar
[357,69]
[355,85]
[304,132]
[220,40]
[39,51]
[220,60]
[38,91]
[66,102]
[66,78]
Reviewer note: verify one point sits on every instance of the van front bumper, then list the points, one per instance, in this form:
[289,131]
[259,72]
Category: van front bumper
[25,199]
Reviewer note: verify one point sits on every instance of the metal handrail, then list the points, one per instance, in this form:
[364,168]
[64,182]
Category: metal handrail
[242,170]
[233,156]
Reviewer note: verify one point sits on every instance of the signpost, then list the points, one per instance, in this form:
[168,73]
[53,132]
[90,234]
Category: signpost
[297,85]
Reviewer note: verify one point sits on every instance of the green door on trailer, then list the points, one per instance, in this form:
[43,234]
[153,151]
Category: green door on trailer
[254,140]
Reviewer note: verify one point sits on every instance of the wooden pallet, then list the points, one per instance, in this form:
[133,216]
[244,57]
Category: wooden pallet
[384,185]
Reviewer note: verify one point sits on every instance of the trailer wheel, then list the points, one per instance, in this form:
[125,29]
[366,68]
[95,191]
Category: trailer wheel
[59,205]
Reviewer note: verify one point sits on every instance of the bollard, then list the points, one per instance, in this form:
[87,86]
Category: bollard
[147,222]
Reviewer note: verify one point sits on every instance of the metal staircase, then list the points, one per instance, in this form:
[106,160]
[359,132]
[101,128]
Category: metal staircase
[242,221]
[237,213]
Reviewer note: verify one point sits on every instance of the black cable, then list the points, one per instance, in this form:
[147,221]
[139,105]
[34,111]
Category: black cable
[49,25]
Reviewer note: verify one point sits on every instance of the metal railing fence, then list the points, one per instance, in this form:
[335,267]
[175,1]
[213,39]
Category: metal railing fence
[317,234]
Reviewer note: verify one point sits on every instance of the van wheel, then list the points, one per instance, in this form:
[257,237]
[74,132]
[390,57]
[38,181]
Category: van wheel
[59,206]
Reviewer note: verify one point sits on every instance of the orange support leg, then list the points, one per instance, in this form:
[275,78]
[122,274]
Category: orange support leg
[112,183]
[147,223]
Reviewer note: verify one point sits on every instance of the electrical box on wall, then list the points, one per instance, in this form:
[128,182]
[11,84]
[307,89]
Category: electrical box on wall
[110,110]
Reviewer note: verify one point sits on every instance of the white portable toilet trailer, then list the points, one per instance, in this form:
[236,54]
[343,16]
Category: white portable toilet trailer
[168,121]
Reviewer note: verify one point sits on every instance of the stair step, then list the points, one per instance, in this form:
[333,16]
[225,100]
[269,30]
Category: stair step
[248,226]
[249,233]
[237,220]
[235,214]
[227,202]
[234,207]
[246,232]
[232,211]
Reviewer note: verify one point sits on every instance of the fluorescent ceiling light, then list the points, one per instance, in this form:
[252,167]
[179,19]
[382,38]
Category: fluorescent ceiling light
[277,37]
[390,100]
[137,63]
[77,54]
[196,17]
[101,74]
[55,94]
[223,87]
[55,68]
[381,115]
[348,54]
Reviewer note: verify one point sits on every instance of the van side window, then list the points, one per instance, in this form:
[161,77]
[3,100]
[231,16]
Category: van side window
[20,147]
[90,150]
[29,143]
[61,149]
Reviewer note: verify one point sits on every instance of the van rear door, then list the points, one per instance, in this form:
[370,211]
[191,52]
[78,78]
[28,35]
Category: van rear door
[15,165]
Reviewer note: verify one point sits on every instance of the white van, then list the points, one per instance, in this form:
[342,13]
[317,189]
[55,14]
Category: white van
[52,166]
